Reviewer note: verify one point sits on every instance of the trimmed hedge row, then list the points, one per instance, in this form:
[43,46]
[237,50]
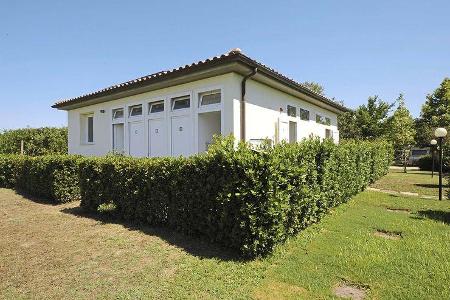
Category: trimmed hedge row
[245,199]
[53,177]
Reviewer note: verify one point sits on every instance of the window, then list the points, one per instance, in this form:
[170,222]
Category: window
[304,114]
[156,107]
[181,102]
[328,134]
[135,110]
[90,129]
[291,111]
[419,152]
[327,121]
[118,113]
[208,98]
[320,119]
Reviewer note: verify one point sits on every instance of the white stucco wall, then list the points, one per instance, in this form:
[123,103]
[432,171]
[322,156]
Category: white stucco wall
[103,121]
[266,105]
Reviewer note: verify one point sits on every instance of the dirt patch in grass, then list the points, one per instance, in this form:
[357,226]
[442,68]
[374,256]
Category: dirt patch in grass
[398,210]
[280,290]
[390,235]
[349,291]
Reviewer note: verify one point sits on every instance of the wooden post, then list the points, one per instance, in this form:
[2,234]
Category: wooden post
[22,147]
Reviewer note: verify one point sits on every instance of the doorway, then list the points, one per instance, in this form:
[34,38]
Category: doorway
[181,135]
[137,141]
[292,132]
[157,137]
[118,138]
[209,124]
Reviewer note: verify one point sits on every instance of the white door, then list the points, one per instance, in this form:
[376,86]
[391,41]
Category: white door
[292,132]
[157,137]
[283,127]
[181,136]
[137,146]
[118,138]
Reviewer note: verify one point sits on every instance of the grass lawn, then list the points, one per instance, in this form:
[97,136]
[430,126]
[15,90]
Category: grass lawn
[413,181]
[53,252]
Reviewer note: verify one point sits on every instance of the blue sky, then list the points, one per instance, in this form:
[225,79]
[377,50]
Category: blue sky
[59,49]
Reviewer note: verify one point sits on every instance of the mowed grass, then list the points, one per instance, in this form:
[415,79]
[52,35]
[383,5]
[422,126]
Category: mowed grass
[414,181]
[54,252]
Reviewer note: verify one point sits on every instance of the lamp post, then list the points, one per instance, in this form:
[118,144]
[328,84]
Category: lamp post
[440,133]
[433,146]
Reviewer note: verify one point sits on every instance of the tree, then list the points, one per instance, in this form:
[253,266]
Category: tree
[435,113]
[400,129]
[367,121]
[372,118]
[347,126]
[315,87]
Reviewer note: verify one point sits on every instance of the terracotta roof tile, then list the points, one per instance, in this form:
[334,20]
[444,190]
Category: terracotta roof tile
[233,54]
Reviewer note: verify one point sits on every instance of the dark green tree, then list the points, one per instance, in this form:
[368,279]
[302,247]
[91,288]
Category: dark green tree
[372,118]
[348,129]
[435,113]
[368,121]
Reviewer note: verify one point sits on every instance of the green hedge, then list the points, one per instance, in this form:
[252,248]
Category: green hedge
[245,199]
[53,177]
[37,141]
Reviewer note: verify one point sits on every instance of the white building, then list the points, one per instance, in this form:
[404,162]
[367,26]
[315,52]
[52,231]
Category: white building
[177,112]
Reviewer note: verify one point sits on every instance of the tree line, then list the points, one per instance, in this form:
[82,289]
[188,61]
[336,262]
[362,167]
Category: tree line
[393,121]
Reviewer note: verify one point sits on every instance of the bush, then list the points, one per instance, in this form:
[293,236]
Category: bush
[37,141]
[245,199]
[425,163]
[54,178]
[9,167]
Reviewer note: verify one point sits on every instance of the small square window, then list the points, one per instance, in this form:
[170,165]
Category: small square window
[181,102]
[327,121]
[319,119]
[156,107]
[118,113]
[291,111]
[328,134]
[304,114]
[208,98]
[135,110]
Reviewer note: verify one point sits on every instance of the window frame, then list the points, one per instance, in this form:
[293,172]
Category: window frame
[331,136]
[132,107]
[156,102]
[304,110]
[84,128]
[291,107]
[173,100]
[90,129]
[115,110]
[208,93]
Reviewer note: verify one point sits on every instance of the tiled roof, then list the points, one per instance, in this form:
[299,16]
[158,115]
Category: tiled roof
[231,56]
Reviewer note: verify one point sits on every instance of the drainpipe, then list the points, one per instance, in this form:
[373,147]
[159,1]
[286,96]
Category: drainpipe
[244,80]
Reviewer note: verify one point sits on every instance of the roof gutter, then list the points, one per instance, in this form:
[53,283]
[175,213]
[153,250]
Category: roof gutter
[243,90]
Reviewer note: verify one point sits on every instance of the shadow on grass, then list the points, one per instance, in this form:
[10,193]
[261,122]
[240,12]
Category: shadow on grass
[35,199]
[428,185]
[437,215]
[195,246]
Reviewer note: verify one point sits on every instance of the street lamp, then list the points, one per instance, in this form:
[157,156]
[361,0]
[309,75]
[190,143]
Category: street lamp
[433,146]
[440,133]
